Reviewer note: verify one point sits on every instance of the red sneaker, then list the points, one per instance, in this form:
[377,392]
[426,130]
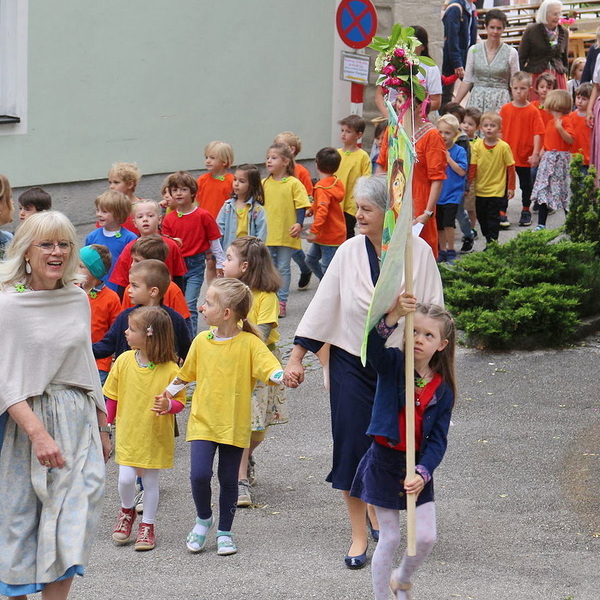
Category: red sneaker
[145,537]
[122,530]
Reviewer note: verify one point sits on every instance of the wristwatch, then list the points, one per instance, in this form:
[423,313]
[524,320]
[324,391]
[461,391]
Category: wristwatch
[105,429]
[429,213]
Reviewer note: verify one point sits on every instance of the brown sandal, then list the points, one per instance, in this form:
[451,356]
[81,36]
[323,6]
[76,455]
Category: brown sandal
[400,586]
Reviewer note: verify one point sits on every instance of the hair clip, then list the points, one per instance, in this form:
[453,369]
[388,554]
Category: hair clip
[20,287]
[244,320]
[149,331]
[118,234]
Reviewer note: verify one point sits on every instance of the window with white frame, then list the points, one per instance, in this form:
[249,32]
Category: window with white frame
[13,66]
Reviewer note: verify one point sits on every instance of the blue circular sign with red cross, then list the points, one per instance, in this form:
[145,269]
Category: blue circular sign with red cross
[356,22]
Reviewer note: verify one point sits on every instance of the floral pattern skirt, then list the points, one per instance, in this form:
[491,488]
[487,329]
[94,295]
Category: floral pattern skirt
[269,403]
[553,182]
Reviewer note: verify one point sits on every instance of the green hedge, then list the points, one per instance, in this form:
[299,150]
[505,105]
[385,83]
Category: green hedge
[531,291]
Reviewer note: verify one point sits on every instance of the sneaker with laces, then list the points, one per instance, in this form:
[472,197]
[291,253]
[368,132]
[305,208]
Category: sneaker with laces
[467,245]
[504,222]
[244,493]
[525,220]
[225,543]
[251,470]
[124,525]
[539,227]
[145,538]
[282,309]
[304,280]
[139,502]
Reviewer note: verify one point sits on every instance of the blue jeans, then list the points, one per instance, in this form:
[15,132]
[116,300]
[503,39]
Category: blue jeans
[192,283]
[282,257]
[299,258]
[319,257]
[463,220]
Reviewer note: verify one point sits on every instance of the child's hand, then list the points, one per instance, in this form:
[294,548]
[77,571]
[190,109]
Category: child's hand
[406,303]
[220,273]
[414,485]
[311,237]
[510,194]
[295,230]
[161,403]
[534,160]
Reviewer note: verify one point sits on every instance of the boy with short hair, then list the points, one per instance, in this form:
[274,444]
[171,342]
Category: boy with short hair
[583,133]
[112,210]
[355,163]
[493,171]
[105,306]
[149,281]
[328,230]
[523,130]
[124,177]
[303,175]
[470,126]
[466,220]
[154,247]
[453,190]
[147,218]
[198,232]
[33,200]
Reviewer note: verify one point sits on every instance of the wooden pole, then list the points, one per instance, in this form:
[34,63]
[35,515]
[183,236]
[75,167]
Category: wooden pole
[409,356]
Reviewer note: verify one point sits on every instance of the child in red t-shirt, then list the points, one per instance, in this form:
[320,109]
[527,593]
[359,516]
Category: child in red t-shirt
[94,264]
[198,232]
[328,230]
[523,130]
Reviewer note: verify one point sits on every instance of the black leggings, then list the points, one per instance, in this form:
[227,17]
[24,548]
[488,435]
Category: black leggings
[526,184]
[202,457]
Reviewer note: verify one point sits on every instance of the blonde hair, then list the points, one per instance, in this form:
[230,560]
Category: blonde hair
[559,101]
[450,120]
[236,296]
[494,117]
[153,203]
[222,150]
[443,361]
[521,76]
[127,172]
[47,225]
[291,139]
[576,62]
[160,335]
[116,203]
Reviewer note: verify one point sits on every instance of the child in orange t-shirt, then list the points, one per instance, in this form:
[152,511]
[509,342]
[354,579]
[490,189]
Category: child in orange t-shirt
[303,174]
[552,188]
[214,188]
[328,230]
[105,306]
[583,133]
[523,130]
[546,82]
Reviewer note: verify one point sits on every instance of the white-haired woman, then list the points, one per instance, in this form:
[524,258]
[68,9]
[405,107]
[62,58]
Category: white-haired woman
[544,46]
[54,439]
[337,316]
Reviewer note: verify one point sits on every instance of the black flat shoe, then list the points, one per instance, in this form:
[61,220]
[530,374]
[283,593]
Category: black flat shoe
[357,562]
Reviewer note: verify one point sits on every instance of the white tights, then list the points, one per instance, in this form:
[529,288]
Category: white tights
[127,477]
[389,540]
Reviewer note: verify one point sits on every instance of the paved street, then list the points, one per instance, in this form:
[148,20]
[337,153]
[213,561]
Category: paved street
[517,498]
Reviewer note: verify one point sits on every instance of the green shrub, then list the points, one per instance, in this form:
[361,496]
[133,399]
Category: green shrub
[583,220]
[532,290]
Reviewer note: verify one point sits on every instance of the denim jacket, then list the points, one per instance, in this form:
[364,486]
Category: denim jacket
[390,400]
[460,33]
[227,221]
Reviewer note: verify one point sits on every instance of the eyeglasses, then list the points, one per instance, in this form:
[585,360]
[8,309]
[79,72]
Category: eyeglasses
[48,247]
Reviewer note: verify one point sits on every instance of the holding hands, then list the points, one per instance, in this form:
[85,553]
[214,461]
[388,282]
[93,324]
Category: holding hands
[162,403]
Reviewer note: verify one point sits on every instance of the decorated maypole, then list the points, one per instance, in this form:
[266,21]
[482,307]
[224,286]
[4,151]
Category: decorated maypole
[399,70]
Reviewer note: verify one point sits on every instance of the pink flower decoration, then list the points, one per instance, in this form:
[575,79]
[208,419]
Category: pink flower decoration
[388,69]
[399,52]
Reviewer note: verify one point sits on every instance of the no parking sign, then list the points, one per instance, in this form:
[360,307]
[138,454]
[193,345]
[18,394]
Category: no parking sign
[356,22]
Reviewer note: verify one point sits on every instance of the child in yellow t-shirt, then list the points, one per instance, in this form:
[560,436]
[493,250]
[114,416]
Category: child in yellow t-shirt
[225,362]
[286,202]
[145,444]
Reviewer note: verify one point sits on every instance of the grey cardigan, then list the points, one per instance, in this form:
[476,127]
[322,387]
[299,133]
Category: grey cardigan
[536,54]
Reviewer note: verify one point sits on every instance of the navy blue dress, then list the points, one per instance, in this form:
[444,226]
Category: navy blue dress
[351,395]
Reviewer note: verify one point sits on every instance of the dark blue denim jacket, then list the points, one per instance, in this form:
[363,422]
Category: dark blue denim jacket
[390,400]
